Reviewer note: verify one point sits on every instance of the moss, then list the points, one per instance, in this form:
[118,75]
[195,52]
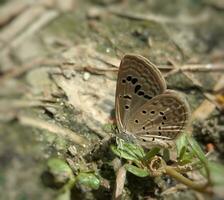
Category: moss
[68,27]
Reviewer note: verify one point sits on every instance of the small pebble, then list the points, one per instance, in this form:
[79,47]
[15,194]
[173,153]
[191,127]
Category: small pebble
[86,76]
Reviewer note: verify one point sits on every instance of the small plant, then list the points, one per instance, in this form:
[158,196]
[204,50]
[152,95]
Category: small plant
[154,163]
[190,157]
[59,175]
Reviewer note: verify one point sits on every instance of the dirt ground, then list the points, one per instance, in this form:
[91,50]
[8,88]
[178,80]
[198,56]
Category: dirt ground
[58,71]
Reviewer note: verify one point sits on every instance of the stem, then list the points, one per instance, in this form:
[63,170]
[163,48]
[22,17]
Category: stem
[119,184]
[196,186]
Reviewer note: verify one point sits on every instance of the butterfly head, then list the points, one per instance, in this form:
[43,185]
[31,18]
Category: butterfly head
[126,136]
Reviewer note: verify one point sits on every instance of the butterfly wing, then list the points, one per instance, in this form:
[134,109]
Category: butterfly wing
[138,82]
[163,117]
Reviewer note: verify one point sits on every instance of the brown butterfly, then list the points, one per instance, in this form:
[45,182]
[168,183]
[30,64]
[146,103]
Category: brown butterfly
[145,110]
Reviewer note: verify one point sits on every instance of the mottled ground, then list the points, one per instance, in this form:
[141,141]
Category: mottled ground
[58,68]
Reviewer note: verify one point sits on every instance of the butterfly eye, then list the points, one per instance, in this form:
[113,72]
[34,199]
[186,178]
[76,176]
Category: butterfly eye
[152,112]
[144,112]
[161,113]
[126,107]
[136,121]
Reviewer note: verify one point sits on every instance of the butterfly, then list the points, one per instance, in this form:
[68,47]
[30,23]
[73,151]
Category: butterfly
[146,111]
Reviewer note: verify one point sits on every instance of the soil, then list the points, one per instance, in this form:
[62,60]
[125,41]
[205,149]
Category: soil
[58,71]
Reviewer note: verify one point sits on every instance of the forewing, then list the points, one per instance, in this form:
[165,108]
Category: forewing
[163,117]
[138,82]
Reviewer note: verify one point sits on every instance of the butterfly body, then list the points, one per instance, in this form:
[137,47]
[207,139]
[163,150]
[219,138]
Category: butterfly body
[145,110]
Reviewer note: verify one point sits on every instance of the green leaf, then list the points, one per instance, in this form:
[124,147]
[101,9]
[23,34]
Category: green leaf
[65,195]
[197,150]
[136,171]
[166,154]
[183,152]
[181,144]
[123,154]
[150,154]
[188,149]
[60,171]
[186,158]
[89,180]
[108,128]
[134,150]
[57,166]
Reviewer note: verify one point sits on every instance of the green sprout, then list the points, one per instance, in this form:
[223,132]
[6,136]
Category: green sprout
[190,157]
[59,175]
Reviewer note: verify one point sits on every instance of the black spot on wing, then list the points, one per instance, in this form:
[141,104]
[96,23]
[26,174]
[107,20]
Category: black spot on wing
[137,88]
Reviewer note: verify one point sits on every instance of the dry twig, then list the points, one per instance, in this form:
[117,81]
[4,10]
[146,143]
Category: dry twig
[11,10]
[119,184]
[187,20]
[19,71]
[20,23]
[216,67]
[207,107]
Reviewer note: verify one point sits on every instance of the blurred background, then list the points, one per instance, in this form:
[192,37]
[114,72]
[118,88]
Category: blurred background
[58,69]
